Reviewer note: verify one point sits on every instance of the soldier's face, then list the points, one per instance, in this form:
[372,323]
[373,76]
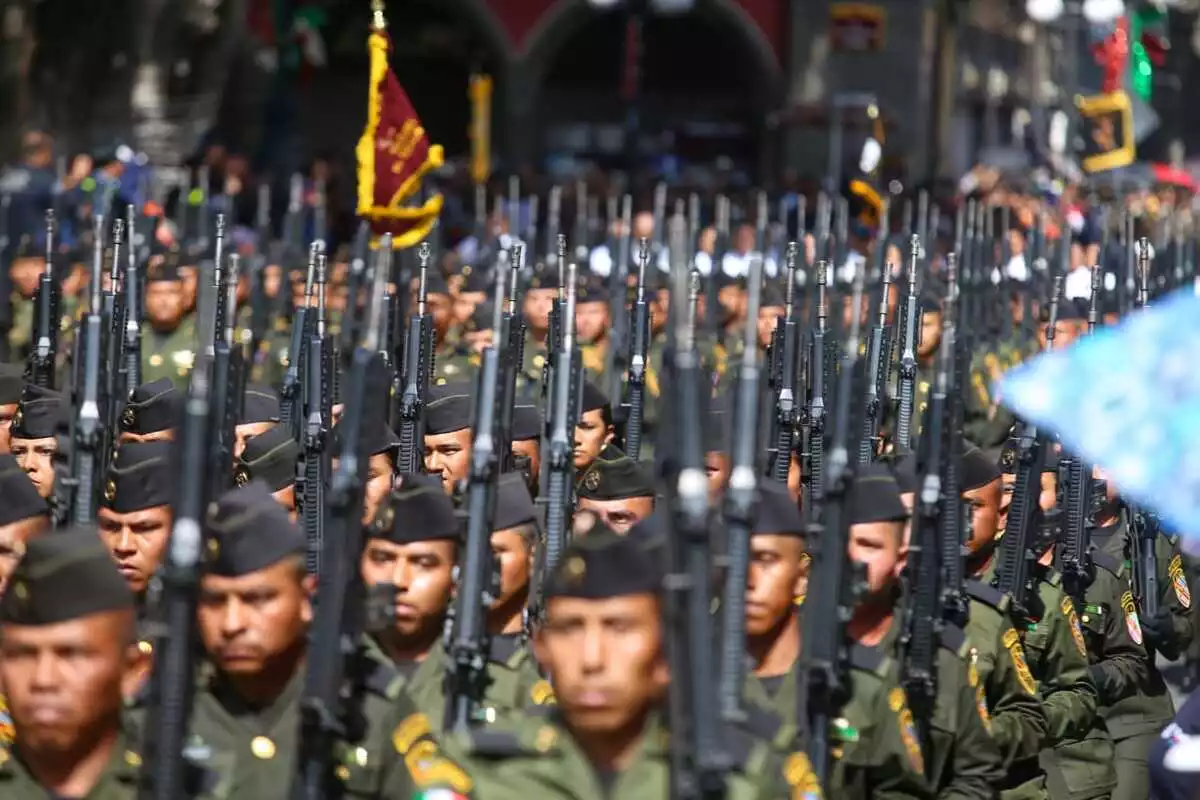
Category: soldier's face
[931,334]
[591,434]
[620,515]
[246,432]
[165,304]
[605,659]
[878,546]
[465,304]
[65,683]
[775,579]
[448,455]
[423,574]
[515,557]
[732,299]
[13,538]
[536,307]
[6,414]
[251,624]
[272,279]
[36,457]
[591,321]
[136,541]
[25,273]
[530,449]
[716,467]
[1065,332]
[767,317]
[379,483]
[984,505]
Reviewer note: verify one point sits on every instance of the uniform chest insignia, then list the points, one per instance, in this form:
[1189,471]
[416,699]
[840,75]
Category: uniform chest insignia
[1132,624]
[1179,581]
[262,748]
[1012,643]
[541,693]
[908,730]
[184,358]
[450,368]
[539,360]
[1068,609]
[973,669]
[156,359]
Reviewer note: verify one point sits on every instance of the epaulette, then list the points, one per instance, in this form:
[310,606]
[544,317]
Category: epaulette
[954,639]
[866,659]
[1102,559]
[988,595]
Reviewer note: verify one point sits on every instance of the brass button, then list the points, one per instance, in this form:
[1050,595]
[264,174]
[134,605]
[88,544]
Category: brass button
[262,747]
[133,759]
[156,359]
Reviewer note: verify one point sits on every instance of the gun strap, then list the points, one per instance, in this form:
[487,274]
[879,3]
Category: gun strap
[953,639]
[988,595]
[1103,559]
[866,659]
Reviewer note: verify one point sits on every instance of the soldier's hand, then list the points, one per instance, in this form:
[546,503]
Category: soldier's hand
[1159,628]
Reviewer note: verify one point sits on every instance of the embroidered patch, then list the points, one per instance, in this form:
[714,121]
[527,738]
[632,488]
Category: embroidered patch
[798,773]
[908,733]
[1012,643]
[1068,609]
[409,730]
[1131,617]
[7,732]
[428,767]
[1179,581]
[541,693]
[981,704]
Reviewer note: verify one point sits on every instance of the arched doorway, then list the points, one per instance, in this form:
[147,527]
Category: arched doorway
[708,81]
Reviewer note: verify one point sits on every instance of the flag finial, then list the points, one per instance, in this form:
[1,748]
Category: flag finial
[378,22]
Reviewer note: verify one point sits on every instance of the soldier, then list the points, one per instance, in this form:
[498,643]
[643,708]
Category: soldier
[526,443]
[963,760]
[27,266]
[135,513]
[169,330]
[619,491]
[1135,719]
[271,457]
[437,302]
[606,737]
[461,356]
[594,432]
[448,433]
[260,413]
[381,464]
[34,435]
[253,616]
[731,295]
[72,607]
[24,516]
[875,756]
[472,292]
[152,413]
[592,325]
[12,380]
[535,306]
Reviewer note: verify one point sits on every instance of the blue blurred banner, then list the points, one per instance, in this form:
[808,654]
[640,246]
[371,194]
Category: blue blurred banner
[1128,399]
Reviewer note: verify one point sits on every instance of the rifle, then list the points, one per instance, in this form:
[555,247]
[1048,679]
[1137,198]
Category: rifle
[1143,525]
[877,369]
[553,218]
[824,651]
[312,466]
[87,428]
[954,522]
[787,335]
[581,227]
[618,355]
[417,367]
[510,336]
[220,347]
[165,775]
[359,277]
[329,711]
[40,368]
[639,345]
[289,390]
[467,644]
[6,309]
[260,303]
[697,759]
[114,387]
[131,347]
[814,457]
[909,331]
[740,504]
[318,210]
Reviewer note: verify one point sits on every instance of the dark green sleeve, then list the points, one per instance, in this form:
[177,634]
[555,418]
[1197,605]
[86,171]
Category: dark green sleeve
[1068,694]
[1019,724]
[1119,666]
[976,768]
[1171,596]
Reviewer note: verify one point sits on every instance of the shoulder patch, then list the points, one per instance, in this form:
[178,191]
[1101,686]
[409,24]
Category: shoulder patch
[1012,642]
[898,702]
[1068,609]
[1179,581]
[410,729]
[7,732]
[542,693]
[1132,624]
[981,705]
[798,772]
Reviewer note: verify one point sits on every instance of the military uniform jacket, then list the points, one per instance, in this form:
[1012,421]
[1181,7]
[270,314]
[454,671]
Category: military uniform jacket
[529,373]
[169,355]
[1150,708]
[253,751]
[118,782]
[1009,693]
[533,756]
[454,362]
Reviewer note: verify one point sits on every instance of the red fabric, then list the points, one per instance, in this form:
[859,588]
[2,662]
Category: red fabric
[401,145]
[1165,173]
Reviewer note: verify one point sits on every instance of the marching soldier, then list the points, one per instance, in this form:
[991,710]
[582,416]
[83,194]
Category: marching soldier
[536,303]
[619,491]
[381,464]
[271,457]
[34,436]
[461,356]
[68,603]
[135,514]
[448,433]
[592,325]
[594,432]
[255,608]
[169,329]
[152,413]
[24,516]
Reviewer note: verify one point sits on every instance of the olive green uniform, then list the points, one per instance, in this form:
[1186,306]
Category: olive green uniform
[253,751]
[595,362]
[529,376]
[20,338]
[1136,718]
[271,360]
[534,756]
[1018,723]
[169,355]
[454,362]
[986,422]
[119,781]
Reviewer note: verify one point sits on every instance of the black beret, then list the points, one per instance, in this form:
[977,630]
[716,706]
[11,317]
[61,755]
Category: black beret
[593,290]
[724,279]
[165,269]
[261,404]
[21,500]
[152,407]
[269,457]
[250,532]
[904,470]
[39,413]
[527,423]
[930,302]
[62,577]
[448,408]
[777,512]
[140,477]
[482,317]
[418,511]
[977,470]
[593,398]
[772,295]
[615,479]
[375,432]
[12,380]
[475,280]
[875,497]
[514,506]
[603,564]
[544,278]
[1072,309]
